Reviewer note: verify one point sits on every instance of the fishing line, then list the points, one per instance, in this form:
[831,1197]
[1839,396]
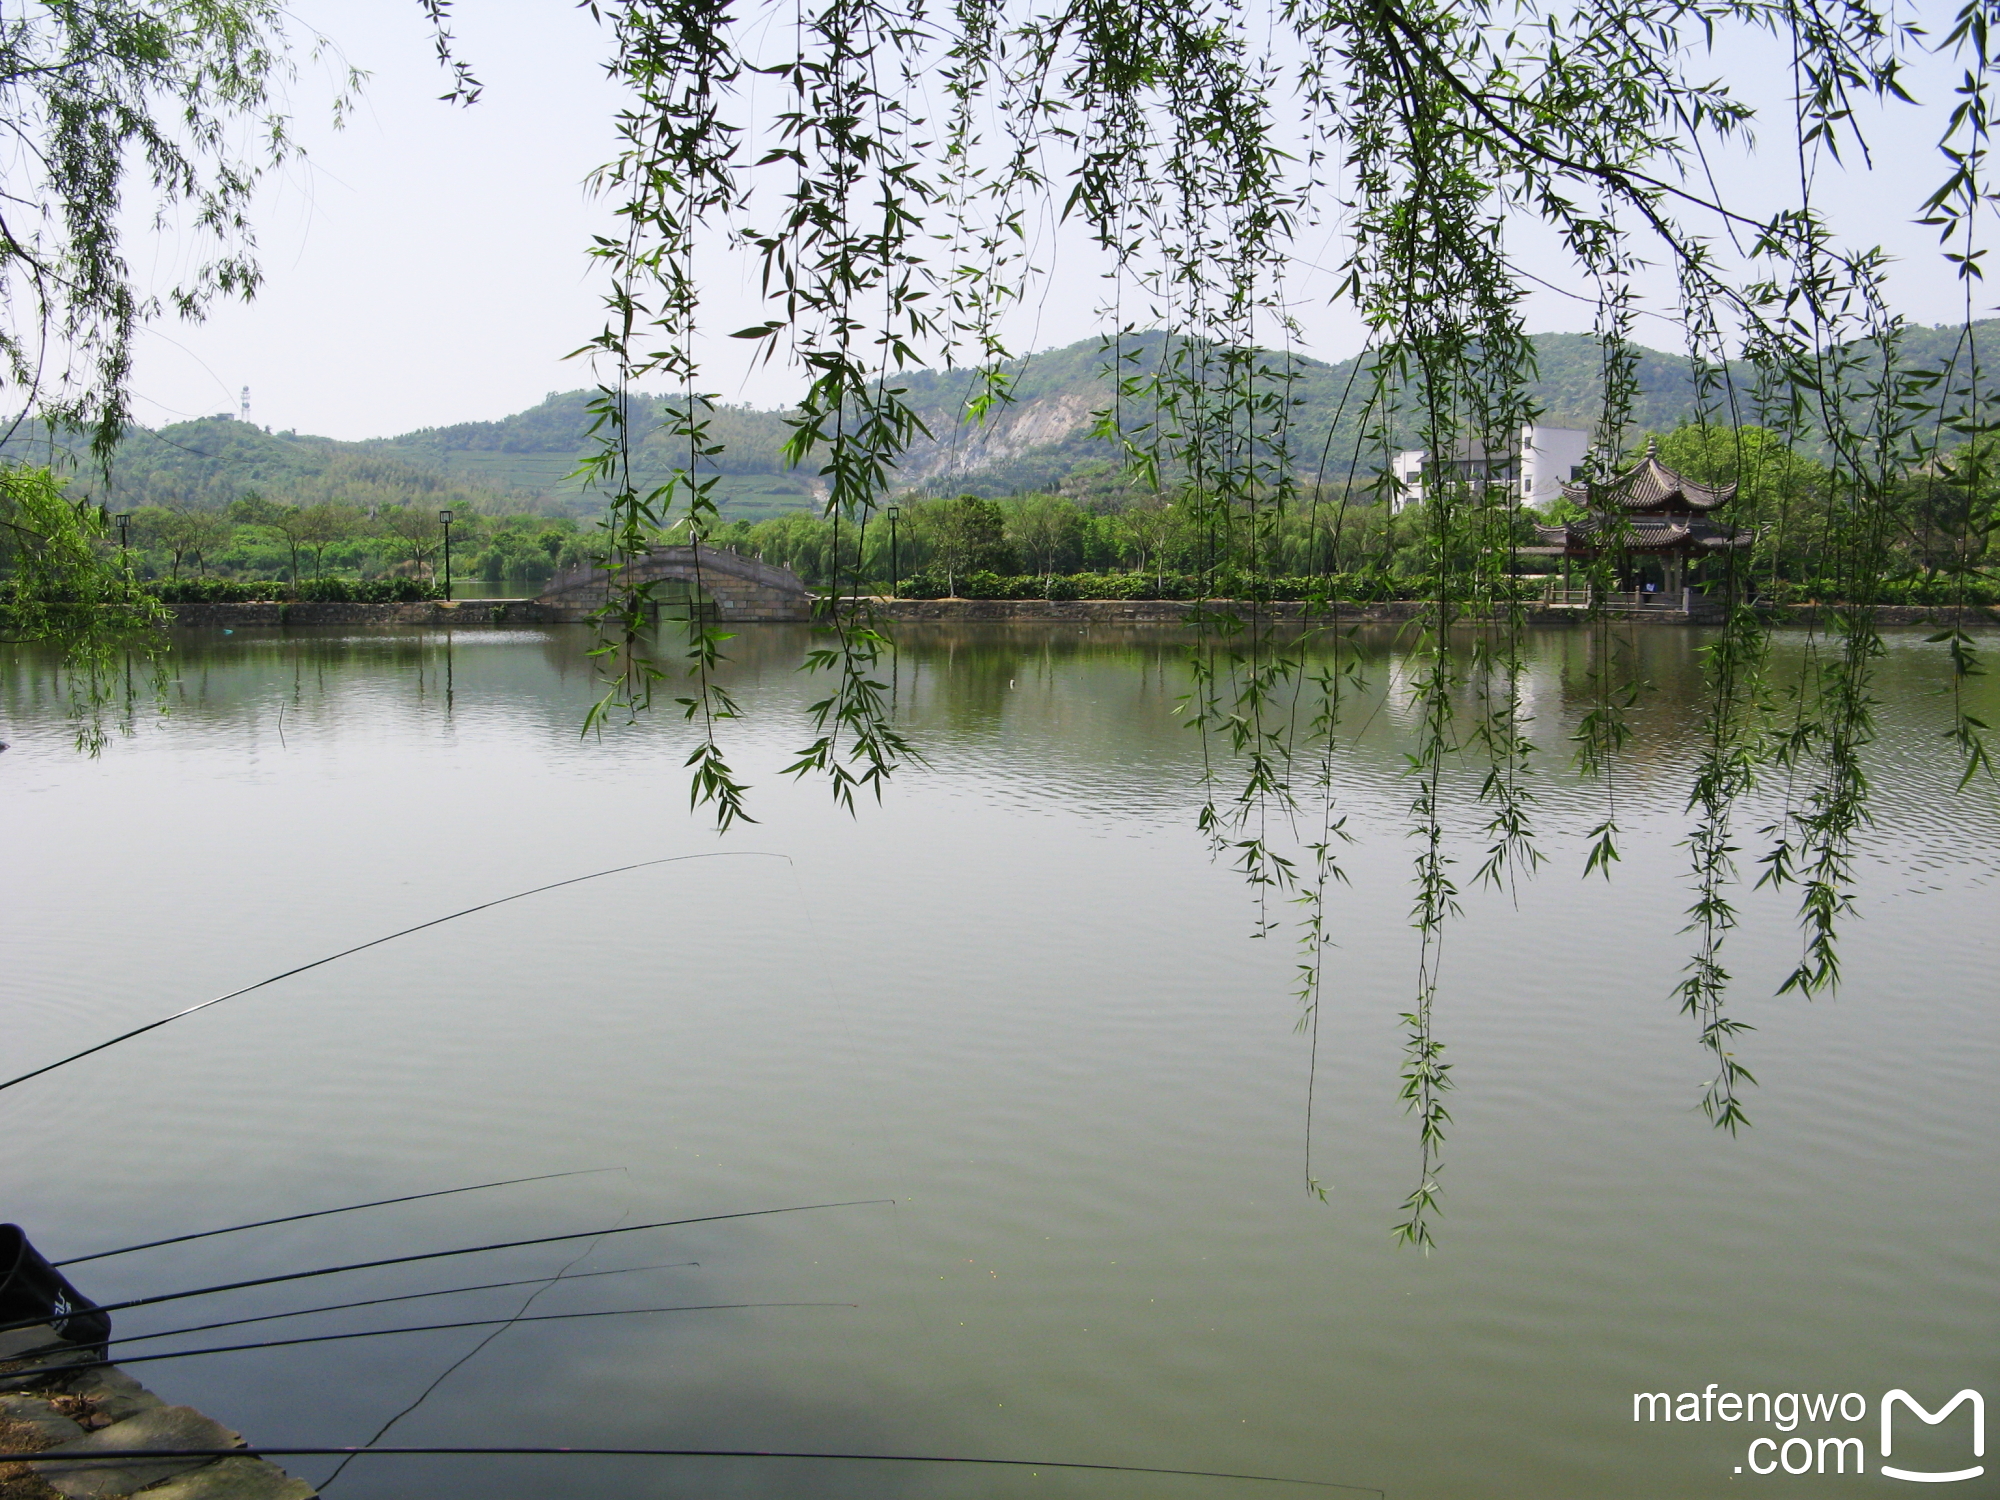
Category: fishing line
[47,1455]
[904,1257]
[400,1260]
[377,942]
[320,1213]
[370,1333]
[520,1315]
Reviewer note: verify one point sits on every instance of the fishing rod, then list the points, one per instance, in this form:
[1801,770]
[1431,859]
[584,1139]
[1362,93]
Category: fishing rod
[320,1213]
[400,1260]
[557,885]
[55,1456]
[307,1312]
[370,1333]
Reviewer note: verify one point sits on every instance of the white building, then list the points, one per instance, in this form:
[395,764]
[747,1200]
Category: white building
[1551,457]
[1546,460]
[1407,468]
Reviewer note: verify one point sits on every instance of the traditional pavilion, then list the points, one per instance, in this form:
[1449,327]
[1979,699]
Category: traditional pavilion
[1647,514]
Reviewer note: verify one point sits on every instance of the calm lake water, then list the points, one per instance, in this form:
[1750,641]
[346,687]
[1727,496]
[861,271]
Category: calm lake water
[1018,1000]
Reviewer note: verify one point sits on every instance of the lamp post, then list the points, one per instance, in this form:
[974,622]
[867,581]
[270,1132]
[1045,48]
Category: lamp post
[124,534]
[444,516]
[895,578]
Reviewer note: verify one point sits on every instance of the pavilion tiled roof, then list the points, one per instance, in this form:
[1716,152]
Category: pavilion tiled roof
[1650,487]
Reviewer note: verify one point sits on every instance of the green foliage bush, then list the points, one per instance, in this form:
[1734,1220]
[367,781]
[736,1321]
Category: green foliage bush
[218,590]
[922,586]
[368,590]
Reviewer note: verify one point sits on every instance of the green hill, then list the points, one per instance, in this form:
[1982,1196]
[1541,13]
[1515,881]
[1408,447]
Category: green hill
[537,451]
[208,463]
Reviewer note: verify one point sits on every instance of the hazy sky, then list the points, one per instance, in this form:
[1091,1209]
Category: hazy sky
[426,265]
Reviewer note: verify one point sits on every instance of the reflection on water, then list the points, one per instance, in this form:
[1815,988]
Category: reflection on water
[1020,1001]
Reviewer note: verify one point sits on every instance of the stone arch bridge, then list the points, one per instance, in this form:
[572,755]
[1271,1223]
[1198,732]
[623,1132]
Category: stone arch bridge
[737,588]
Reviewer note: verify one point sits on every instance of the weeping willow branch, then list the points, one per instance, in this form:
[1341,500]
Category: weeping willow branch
[890,194]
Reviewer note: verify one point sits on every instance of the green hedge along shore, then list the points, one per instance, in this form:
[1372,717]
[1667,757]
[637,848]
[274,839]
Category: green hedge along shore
[305,591]
[278,590]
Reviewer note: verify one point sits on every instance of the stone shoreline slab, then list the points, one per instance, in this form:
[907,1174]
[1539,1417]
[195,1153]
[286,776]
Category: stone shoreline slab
[78,1423]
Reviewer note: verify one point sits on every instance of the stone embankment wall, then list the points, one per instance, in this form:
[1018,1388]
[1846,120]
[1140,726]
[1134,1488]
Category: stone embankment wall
[468,613]
[80,1421]
[1174,611]
[1802,615]
[1158,611]
[472,612]
[433,612]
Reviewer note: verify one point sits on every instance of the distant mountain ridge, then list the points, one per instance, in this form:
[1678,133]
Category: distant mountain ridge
[1042,439]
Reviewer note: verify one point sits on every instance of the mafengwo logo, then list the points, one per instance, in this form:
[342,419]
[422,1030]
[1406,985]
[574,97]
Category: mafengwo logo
[1793,1452]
